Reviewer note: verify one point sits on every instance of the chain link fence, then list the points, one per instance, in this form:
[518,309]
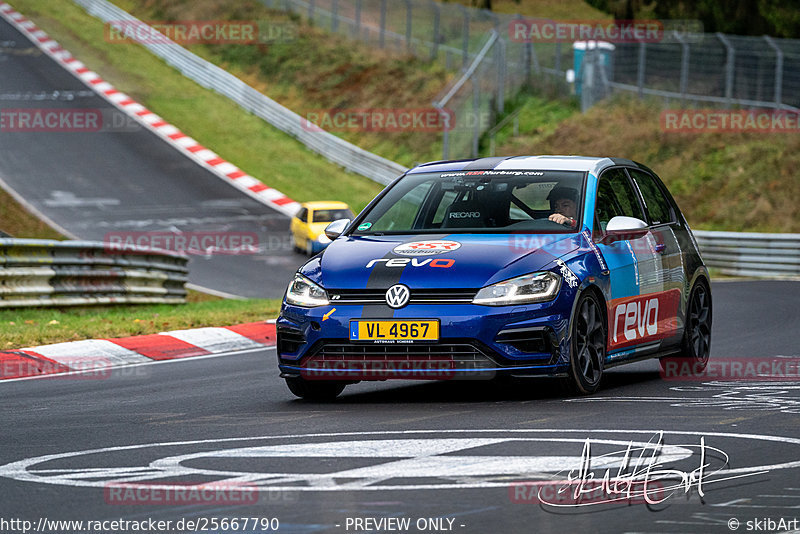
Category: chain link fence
[683,68]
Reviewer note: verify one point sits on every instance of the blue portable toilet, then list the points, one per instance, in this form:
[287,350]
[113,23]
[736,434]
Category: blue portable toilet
[605,51]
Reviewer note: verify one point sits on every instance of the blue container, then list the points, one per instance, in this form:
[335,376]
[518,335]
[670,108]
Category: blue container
[605,53]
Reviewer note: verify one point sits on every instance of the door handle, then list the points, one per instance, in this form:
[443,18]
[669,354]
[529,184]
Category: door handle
[660,248]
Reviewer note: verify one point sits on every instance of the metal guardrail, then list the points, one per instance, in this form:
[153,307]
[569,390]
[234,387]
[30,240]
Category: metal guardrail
[750,253]
[36,272]
[332,148]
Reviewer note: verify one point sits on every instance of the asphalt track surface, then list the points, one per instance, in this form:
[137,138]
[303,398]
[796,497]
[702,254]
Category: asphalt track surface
[414,450]
[126,179]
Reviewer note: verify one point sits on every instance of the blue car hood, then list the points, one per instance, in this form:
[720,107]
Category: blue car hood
[476,260]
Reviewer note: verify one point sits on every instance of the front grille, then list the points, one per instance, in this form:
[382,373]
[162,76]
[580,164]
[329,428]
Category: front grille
[418,296]
[463,355]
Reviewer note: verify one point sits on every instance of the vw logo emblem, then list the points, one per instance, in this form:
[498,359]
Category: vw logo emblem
[397,296]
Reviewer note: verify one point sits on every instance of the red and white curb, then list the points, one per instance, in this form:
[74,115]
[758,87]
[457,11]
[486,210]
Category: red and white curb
[98,356]
[172,135]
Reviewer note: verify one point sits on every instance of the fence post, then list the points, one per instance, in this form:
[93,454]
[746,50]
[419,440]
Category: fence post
[731,57]
[500,54]
[586,76]
[640,72]
[334,16]
[527,53]
[358,18]
[476,110]
[684,66]
[436,17]
[445,133]
[409,24]
[465,37]
[557,65]
[778,70]
[382,38]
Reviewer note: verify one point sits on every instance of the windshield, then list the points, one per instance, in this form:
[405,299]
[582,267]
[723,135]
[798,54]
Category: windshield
[479,201]
[323,216]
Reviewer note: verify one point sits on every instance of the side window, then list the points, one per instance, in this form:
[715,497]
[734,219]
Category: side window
[616,196]
[656,203]
[303,215]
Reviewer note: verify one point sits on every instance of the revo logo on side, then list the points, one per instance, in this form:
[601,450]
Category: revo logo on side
[414,262]
[636,319]
[641,318]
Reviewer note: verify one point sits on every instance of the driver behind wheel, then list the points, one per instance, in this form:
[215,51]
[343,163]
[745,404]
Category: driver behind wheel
[563,203]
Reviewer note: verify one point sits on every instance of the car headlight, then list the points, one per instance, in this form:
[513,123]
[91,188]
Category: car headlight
[535,287]
[304,292]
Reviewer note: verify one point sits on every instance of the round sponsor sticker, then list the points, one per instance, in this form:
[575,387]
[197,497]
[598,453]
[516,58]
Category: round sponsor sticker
[365,226]
[426,248]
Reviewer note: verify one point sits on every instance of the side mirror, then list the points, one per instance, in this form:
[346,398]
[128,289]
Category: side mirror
[621,227]
[335,229]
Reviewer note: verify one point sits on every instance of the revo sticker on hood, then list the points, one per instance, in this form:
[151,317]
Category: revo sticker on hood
[414,262]
[426,248]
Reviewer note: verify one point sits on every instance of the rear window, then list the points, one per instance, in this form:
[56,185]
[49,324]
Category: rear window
[478,201]
[322,216]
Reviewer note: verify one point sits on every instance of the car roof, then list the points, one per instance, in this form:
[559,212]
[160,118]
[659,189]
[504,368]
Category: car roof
[324,205]
[595,165]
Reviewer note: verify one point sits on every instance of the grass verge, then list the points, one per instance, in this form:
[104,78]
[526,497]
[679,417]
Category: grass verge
[40,326]
[722,181]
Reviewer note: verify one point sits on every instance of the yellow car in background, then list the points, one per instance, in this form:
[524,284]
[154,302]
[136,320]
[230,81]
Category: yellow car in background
[308,225]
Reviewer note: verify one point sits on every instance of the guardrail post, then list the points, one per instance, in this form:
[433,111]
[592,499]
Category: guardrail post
[778,70]
[334,16]
[729,65]
[382,38]
[311,11]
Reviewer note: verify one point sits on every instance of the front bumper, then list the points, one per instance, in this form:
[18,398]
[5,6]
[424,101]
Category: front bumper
[476,342]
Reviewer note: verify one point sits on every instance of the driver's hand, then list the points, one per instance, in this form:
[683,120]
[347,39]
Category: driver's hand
[561,219]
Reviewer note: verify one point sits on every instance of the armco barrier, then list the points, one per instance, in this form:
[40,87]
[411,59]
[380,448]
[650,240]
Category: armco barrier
[64,273]
[208,75]
[750,253]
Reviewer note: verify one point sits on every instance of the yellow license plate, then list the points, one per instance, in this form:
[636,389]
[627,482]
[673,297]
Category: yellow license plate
[394,330]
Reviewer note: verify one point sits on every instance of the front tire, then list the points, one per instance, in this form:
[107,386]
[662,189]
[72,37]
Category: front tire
[321,390]
[587,348]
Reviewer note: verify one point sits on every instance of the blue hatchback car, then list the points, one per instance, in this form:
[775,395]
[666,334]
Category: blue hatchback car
[523,266]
